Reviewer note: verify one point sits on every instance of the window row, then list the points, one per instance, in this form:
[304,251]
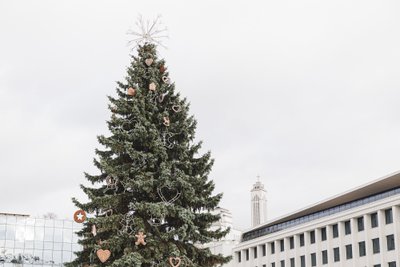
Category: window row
[313,263]
[348,250]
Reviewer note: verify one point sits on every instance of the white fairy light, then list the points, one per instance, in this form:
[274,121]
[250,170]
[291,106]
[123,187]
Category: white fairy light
[148,32]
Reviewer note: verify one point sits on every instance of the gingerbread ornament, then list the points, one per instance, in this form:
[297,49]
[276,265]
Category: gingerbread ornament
[103,255]
[79,216]
[152,86]
[131,91]
[175,261]
[140,238]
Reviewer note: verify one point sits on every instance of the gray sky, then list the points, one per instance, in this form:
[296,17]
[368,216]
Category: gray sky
[304,93]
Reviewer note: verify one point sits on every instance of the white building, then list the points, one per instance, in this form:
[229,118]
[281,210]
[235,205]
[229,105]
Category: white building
[226,244]
[358,228]
[258,204]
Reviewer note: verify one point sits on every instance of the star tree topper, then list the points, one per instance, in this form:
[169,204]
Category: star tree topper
[148,32]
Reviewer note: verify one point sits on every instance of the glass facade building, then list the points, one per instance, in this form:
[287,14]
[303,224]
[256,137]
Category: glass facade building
[26,241]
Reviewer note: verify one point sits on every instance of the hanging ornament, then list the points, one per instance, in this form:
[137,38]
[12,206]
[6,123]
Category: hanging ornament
[131,91]
[148,61]
[176,108]
[168,194]
[79,216]
[152,86]
[175,261]
[140,238]
[166,121]
[103,255]
[94,230]
[162,69]
[166,79]
[161,97]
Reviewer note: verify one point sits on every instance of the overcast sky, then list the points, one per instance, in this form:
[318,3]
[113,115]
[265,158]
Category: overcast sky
[304,93]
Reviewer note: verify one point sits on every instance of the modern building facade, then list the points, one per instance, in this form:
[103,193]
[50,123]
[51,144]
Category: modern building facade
[26,241]
[357,228]
[258,204]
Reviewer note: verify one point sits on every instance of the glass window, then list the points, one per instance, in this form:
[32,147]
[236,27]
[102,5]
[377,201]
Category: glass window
[49,223]
[48,245]
[389,216]
[282,244]
[349,252]
[272,245]
[291,242]
[58,223]
[20,233]
[324,254]
[360,224]
[39,222]
[390,242]
[66,256]
[48,234]
[361,248]
[375,245]
[323,234]
[347,228]
[247,254]
[264,250]
[312,237]
[282,263]
[48,256]
[57,257]
[58,235]
[2,232]
[11,220]
[336,254]
[239,256]
[301,239]
[374,220]
[377,265]
[392,264]
[67,224]
[39,233]
[303,261]
[292,262]
[29,244]
[272,264]
[38,244]
[3,219]
[10,232]
[57,246]
[29,233]
[335,230]
[313,259]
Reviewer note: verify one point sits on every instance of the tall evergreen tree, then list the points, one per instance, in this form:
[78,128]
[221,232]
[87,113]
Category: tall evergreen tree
[152,201]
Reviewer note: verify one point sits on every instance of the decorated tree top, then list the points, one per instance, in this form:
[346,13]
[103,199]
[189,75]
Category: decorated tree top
[150,203]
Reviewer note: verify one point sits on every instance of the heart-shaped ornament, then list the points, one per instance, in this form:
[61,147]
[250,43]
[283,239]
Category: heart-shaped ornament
[176,108]
[103,255]
[165,79]
[148,61]
[175,261]
[168,194]
[166,121]
[152,86]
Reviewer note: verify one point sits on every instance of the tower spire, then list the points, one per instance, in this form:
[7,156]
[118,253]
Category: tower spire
[258,203]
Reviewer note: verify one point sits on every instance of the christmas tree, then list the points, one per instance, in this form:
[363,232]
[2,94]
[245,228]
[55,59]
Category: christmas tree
[151,202]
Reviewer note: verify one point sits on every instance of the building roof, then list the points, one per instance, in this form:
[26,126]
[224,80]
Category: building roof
[377,186]
[13,214]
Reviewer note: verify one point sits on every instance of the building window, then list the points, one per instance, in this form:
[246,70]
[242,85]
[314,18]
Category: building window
[264,265]
[375,245]
[264,250]
[282,244]
[349,252]
[389,216]
[301,240]
[239,256]
[272,264]
[323,234]
[361,248]
[324,256]
[377,265]
[272,245]
[247,254]
[347,228]
[374,220]
[312,237]
[292,262]
[303,261]
[313,259]
[291,242]
[360,224]
[255,252]
[335,230]
[392,264]
[282,263]
[336,255]
[390,242]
